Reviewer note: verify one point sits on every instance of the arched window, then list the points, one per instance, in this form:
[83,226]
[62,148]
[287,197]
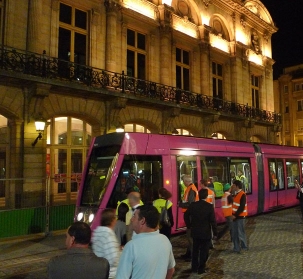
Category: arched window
[218,136]
[68,140]
[184,132]
[255,139]
[135,128]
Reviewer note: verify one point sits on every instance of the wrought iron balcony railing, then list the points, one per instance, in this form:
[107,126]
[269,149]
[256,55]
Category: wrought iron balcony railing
[54,68]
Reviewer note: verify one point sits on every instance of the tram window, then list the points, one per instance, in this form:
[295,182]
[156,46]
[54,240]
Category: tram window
[98,174]
[186,165]
[301,172]
[240,170]
[276,174]
[140,173]
[292,169]
[216,171]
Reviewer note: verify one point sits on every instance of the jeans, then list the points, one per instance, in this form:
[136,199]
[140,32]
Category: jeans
[238,235]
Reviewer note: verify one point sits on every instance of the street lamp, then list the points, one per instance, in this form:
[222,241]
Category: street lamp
[40,125]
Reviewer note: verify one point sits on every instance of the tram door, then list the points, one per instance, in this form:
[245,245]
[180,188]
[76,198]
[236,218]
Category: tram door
[276,183]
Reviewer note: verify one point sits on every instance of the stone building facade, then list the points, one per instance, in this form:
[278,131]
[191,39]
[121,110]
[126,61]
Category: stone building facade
[86,67]
[288,90]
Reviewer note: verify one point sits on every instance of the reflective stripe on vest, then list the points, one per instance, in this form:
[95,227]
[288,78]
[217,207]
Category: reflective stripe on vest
[236,204]
[226,208]
[211,196]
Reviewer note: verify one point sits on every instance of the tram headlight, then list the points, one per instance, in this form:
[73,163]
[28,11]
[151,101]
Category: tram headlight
[80,216]
[91,217]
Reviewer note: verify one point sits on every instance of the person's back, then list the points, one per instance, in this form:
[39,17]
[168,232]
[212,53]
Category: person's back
[79,262]
[145,248]
[149,254]
[202,219]
[104,240]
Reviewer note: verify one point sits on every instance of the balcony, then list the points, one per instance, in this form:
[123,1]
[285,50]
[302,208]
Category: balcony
[27,66]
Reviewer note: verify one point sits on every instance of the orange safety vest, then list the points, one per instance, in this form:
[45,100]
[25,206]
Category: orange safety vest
[187,190]
[236,204]
[226,208]
[210,196]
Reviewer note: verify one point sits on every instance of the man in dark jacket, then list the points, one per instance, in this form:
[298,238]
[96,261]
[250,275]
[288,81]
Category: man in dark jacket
[79,262]
[200,217]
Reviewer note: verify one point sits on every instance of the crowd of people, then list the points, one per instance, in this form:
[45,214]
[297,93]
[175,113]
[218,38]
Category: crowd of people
[119,245]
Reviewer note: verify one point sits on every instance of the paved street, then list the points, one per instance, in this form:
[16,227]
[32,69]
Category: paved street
[275,251]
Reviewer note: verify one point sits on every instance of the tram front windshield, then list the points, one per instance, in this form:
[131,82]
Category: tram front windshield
[101,163]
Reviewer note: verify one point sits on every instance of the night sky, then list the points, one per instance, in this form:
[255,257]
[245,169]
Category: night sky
[287,42]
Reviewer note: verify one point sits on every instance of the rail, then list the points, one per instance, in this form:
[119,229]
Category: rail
[41,65]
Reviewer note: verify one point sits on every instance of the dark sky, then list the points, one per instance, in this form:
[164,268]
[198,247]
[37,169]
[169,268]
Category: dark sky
[287,42]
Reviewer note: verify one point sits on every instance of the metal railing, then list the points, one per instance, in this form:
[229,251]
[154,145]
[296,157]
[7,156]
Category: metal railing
[53,68]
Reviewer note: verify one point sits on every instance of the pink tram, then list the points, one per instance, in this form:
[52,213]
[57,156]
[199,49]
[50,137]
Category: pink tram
[119,161]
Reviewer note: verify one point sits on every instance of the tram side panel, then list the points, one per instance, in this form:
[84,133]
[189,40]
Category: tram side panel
[281,166]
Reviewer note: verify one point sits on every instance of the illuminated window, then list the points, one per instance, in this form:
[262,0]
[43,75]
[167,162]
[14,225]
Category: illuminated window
[72,41]
[136,54]
[3,147]
[255,139]
[255,84]
[68,140]
[217,79]
[182,69]
[135,128]
[184,132]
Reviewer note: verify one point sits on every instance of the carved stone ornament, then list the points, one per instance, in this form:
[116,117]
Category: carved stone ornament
[206,3]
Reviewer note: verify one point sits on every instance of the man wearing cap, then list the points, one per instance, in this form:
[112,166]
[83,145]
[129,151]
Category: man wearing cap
[226,205]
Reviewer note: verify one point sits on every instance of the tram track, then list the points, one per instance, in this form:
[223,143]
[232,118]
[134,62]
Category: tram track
[28,266]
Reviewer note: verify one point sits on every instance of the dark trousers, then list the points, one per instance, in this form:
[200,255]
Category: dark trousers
[200,254]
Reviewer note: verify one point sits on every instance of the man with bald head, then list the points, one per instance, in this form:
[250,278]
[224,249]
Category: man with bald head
[134,200]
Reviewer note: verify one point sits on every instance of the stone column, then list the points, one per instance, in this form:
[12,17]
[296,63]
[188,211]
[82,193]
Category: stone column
[39,18]
[16,164]
[111,35]
[205,68]
[165,56]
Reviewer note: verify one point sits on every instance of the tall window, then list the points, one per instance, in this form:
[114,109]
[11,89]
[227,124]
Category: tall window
[1,18]
[182,69]
[255,89]
[136,54]
[68,140]
[217,78]
[3,146]
[300,105]
[72,42]
[300,124]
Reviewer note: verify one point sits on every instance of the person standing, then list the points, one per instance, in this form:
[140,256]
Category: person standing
[79,262]
[149,254]
[200,217]
[239,209]
[190,195]
[104,240]
[211,197]
[120,227]
[163,201]
[300,196]
[134,201]
[226,205]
